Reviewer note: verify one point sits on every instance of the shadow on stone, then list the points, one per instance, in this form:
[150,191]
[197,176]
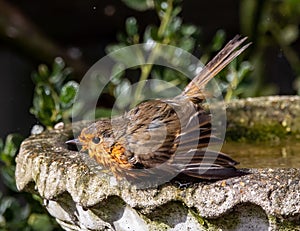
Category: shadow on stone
[110,209]
[246,216]
[170,214]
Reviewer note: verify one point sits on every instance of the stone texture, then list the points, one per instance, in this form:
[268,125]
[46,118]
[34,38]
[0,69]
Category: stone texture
[83,196]
[269,118]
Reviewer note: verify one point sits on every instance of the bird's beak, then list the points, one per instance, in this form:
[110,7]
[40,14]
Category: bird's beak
[74,141]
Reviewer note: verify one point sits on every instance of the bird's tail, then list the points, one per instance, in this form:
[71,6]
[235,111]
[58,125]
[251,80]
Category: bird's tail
[195,88]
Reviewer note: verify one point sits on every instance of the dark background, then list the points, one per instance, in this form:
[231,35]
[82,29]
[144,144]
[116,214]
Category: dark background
[34,32]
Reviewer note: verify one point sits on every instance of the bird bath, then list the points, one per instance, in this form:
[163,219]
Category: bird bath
[81,196]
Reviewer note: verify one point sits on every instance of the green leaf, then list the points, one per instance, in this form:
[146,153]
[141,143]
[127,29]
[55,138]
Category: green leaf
[122,38]
[176,11]
[8,176]
[46,102]
[40,222]
[218,40]
[289,34]
[43,71]
[114,47]
[7,156]
[152,33]
[52,97]
[127,57]
[12,144]
[131,26]
[11,209]
[103,113]
[41,75]
[117,74]
[58,65]
[244,69]
[173,27]
[45,107]
[59,73]
[140,5]
[188,30]
[68,93]
[187,44]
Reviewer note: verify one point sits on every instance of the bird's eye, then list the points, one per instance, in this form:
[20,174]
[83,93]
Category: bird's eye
[96,140]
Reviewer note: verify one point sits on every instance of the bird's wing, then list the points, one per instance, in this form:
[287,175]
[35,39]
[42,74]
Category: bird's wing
[158,131]
[151,131]
[205,164]
[161,129]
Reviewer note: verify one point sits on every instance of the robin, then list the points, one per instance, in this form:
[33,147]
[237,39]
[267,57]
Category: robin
[164,138]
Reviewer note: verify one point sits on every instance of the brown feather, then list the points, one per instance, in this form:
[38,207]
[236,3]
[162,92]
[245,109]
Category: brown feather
[163,138]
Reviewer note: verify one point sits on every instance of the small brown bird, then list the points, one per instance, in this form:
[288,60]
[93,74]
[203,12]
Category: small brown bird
[164,138]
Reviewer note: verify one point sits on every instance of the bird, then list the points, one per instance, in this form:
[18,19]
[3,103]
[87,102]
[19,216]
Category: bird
[163,139]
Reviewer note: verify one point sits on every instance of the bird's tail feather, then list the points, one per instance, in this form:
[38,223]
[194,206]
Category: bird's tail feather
[195,88]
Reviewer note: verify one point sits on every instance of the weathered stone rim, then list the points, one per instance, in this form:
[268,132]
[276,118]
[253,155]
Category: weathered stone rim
[71,181]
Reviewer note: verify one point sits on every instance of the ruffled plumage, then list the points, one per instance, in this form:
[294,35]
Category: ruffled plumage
[159,139]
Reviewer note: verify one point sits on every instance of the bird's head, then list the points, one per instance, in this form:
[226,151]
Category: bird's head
[96,138]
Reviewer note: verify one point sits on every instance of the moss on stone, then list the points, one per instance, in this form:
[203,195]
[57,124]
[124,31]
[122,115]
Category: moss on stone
[258,133]
[284,225]
[263,119]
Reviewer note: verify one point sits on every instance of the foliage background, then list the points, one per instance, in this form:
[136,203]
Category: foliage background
[81,32]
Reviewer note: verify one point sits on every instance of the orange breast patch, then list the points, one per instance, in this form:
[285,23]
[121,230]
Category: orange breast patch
[118,154]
